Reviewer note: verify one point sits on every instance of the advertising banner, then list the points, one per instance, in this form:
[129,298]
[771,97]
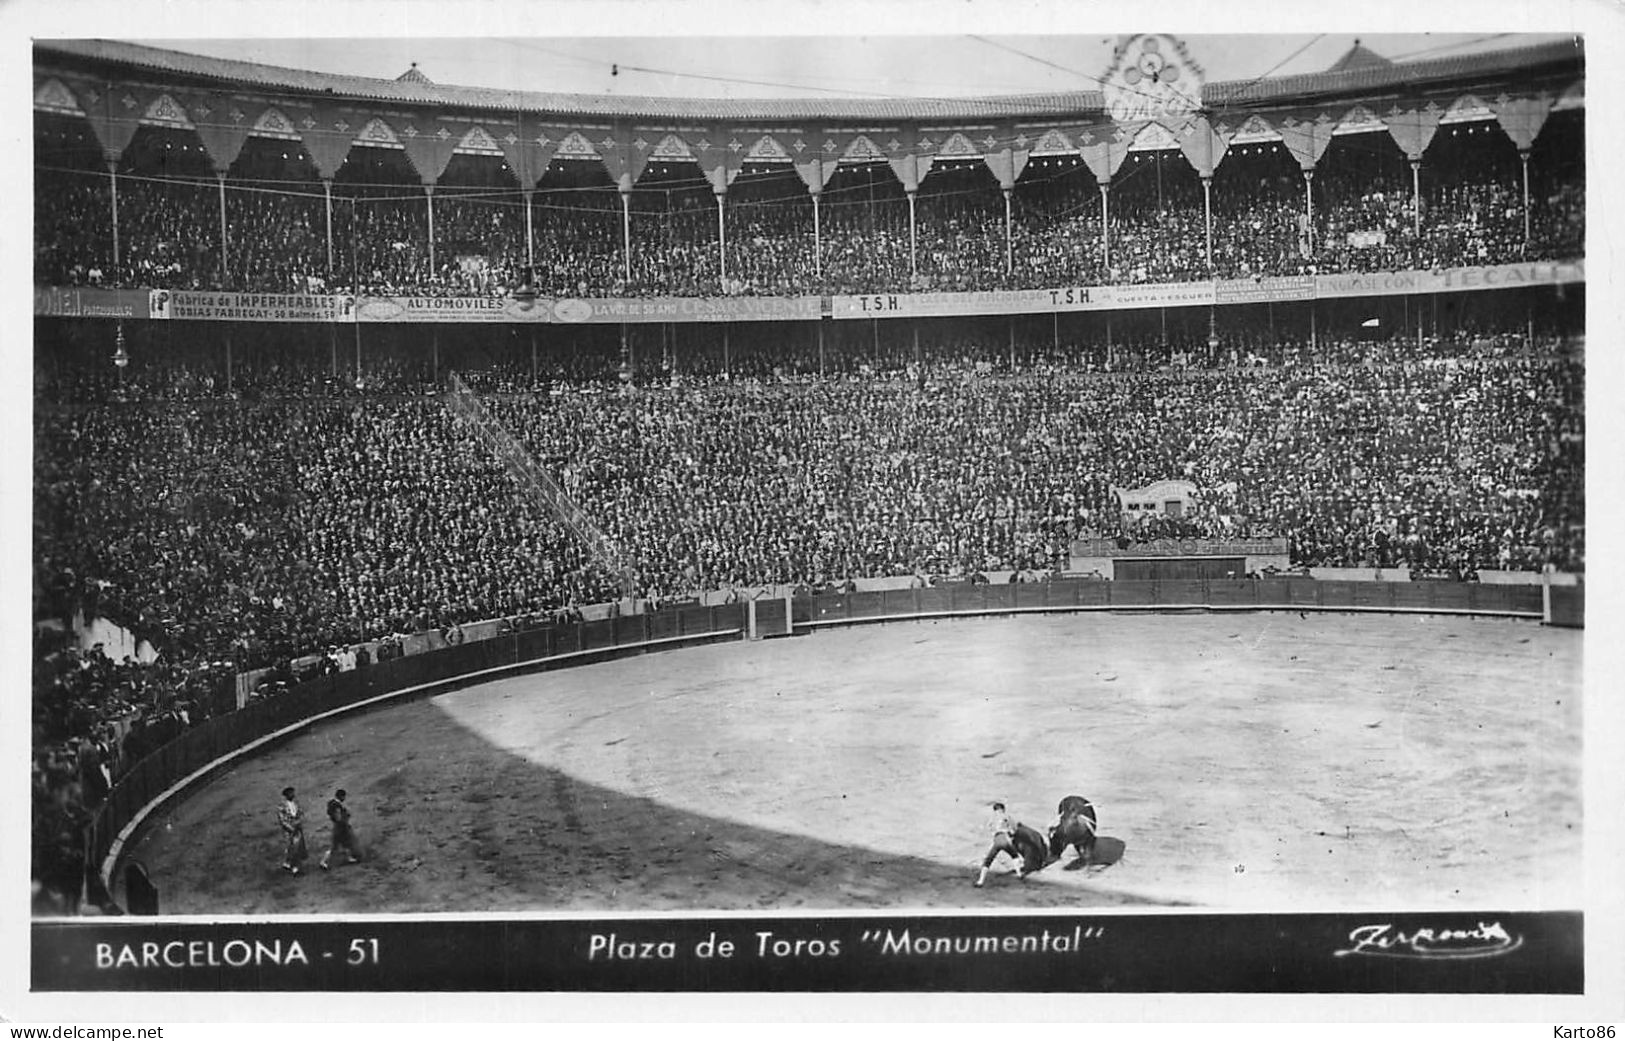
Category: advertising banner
[454,309]
[1180,548]
[182,304]
[92,302]
[1451,280]
[1264,290]
[689,309]
[1167,294]
[1022,301]
[86,302]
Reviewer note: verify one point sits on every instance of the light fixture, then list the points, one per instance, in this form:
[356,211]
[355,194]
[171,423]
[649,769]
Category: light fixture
[121,357]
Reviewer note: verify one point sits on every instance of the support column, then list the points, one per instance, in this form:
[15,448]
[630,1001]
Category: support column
[722,246]
[913,245]
[225,241]
[1313,338]
[228,360]
[1523,154]
[1010,323]
[434,345]
[327,196]
[112,175]
[355,260]
[820,342]
[1416,198]
[818,241]
[530,231]
[1309,209]
[1105,230]
[428,195]
[533,355]
[626,232]
[1009,236]
[1207,218]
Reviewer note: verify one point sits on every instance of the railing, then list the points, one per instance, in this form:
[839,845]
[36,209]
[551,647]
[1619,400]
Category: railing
[189,758]
[533,481]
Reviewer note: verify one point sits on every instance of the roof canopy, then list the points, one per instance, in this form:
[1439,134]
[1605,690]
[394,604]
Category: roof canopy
[118,87]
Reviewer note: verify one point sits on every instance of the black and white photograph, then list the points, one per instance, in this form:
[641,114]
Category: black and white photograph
[1039,506]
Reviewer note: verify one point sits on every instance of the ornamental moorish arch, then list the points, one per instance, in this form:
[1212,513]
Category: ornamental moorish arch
[1152,78]
[1154,97]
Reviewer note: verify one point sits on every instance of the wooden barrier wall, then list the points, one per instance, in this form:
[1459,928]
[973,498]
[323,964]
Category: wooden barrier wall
[1213,594]
[561,646]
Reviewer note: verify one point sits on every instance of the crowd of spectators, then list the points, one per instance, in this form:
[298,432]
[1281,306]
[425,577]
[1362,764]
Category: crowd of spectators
[237,532]
[310,496]
[278,240]
[252,527]
[1363,217]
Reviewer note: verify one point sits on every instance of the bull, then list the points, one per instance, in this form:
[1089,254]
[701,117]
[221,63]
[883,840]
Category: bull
[1075,827]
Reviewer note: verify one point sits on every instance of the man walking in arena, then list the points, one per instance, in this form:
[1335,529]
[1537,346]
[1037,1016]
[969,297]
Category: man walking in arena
[343,837]
[292,822]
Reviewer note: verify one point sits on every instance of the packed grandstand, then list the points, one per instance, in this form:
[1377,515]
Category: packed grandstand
[259,497]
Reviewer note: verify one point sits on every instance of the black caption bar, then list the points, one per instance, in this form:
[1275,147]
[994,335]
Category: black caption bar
[1456,952]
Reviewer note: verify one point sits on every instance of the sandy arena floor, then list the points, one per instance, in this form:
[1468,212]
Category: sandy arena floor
[1255,761]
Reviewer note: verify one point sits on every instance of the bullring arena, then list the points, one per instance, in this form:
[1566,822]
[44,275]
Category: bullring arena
[1270,760]
[649,504]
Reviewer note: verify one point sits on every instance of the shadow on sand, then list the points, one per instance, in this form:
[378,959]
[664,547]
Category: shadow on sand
[451,824]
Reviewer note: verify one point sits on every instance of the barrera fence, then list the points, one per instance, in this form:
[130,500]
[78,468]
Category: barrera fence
[198,751]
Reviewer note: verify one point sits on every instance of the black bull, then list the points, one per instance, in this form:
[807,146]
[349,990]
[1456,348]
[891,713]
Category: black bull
[1076,828]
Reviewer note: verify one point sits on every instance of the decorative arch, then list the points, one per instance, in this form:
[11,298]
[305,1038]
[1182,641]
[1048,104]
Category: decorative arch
[1469,108]
[378,134]
[54,96]
[576,146]
[1053,142]
[478,141]
[1255,130]
[671,146]
[166,111]
[274,123]
[958,146]
[1359,120]
[1153,137]
[861,149]
[767,147]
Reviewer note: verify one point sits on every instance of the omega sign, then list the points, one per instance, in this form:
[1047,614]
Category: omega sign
[1152,78]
